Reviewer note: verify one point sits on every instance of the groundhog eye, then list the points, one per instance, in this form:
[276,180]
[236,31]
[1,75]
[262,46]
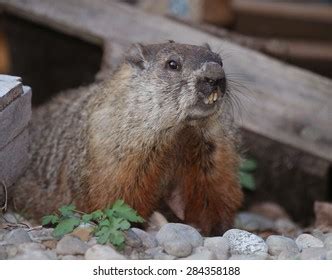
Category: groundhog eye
[172,64]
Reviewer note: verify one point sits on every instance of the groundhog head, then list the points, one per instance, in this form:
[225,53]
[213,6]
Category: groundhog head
[181,82]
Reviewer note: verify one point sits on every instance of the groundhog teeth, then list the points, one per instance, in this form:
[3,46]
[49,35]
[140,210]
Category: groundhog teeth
[215,96]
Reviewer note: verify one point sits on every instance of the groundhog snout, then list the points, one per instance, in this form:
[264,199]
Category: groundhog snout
[211,82]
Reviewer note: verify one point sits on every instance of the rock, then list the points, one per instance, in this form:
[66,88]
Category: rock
[328,242]
[41,234]
[17,236]
[318,234]
[305,240]
[132,239]
[148,240]
[71,245]
[50,244]
[3,253]
[285,227]
[179,232]
[178,248]
[11,250]
[288,255]
[83,233]
[269,210]
[103,252]
[277,244]
[329,255]
[219,246]
[93,241]
[158,254]
[253,222]
[31,246]
[3,233]
[36,255]
[71,257]
[10,218]
[313,253]
[244,243]
[201,253]
[323,213]
[256,256]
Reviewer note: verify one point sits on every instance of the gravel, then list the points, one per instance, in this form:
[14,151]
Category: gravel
[245,243]
[70,245]
[17,236]
[100,252]
[219,246]
[277,244]
[305,241]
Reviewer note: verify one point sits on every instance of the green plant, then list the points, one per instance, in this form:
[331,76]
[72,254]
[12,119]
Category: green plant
[247,180]
[109,224]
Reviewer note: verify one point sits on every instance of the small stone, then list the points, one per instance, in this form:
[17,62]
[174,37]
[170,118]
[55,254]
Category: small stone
[318,234]
[313,253]
[201,253]
[305,240]
[35,255]
[178,248]
[83,233]
[253,222]
[71,257]
[163,256]
[132,239]
[50,244]
[329,255]
[328,242]
[70,245]
[41,234]
[11,250]
[269,210]
[244,243]
[158,254]
[31,246]
[3,253]
[3,233]
[277,244]
[179,232]
[17,236]
[93,241]
[219,246]
[103,252]
[10,218]
[285,227]
[256,256]
[148,240]
[288,255]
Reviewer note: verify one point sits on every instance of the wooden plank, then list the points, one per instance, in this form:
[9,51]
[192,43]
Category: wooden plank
[284,103]
[283,19]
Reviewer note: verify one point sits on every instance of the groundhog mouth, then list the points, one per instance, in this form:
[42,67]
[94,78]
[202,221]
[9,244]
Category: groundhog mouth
[211,99]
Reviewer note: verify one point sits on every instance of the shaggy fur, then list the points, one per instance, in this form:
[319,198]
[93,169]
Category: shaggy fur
[138,136]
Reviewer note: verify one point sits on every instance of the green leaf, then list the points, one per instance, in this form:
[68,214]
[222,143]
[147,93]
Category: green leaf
[86,218]
[50,219]
[248,165]
[105,223]
[65,226]
[67,210]
[117,238]
[123,210]
[103,235]
[120,223]
[98,214]
[247,181]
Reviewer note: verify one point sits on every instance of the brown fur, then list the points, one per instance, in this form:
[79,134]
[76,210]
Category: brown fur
[129,137]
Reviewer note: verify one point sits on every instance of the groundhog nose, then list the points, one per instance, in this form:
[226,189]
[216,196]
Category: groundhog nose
[212,71]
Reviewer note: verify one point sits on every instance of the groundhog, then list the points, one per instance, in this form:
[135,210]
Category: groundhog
[156,132]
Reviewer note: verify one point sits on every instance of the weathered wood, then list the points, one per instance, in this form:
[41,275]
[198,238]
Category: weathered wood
[283,104]
[283,19]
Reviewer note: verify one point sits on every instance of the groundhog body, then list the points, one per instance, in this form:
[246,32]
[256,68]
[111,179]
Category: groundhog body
[155,133]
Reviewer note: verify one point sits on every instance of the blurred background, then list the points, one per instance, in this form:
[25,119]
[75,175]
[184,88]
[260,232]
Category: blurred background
[286,126]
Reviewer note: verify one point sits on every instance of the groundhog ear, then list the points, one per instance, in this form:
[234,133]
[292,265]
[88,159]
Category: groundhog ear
[206,45]
[136,56]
